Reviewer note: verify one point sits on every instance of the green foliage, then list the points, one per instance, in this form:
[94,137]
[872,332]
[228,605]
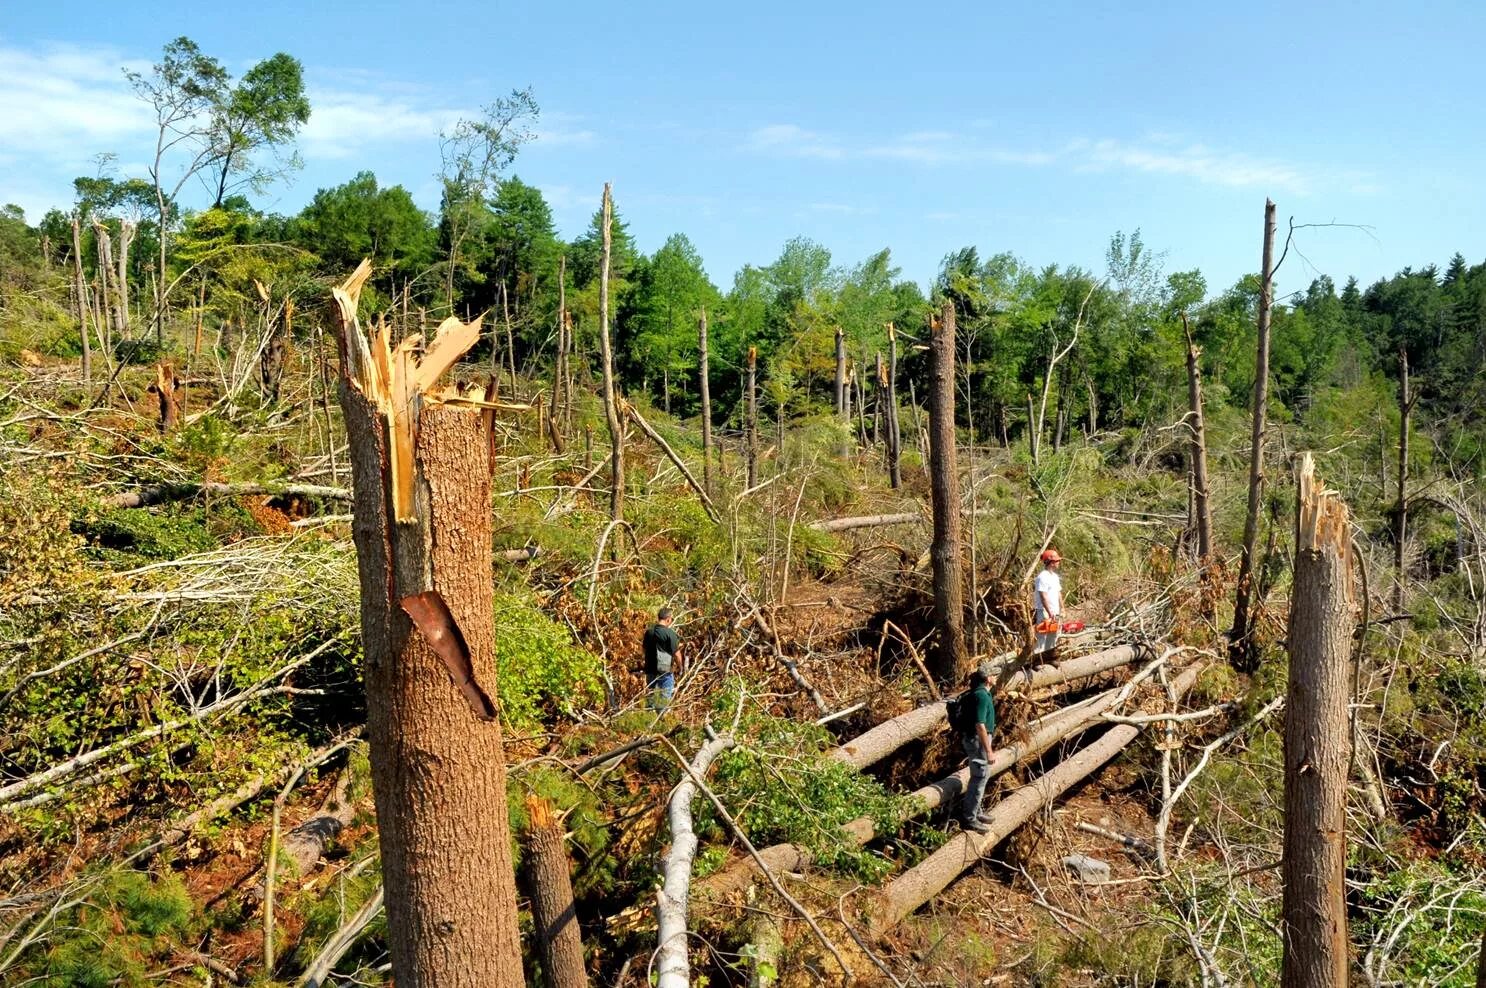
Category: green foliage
[541,671]
[129,924]
[584,818]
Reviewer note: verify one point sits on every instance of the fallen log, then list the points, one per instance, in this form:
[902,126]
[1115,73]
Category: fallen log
[921,883]
[302,847]
[790,666]
[889,736]
[673,966]
[181,490]
[1042,734]
[864,521]
[665,447]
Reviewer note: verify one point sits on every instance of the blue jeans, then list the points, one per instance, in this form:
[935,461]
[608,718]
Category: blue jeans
[980,774]
[662,688]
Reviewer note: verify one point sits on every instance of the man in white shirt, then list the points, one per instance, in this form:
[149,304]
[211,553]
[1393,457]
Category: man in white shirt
[1047,602]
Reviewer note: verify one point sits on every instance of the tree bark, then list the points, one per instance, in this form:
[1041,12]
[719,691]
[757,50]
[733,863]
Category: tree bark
[894,436]
[423,536]
[1239,644]
[1197,446]
[559,365]
[164,389]
[1317,740]
[1400,522]
[672,966]
[864,521]
[750,390]
[706,389]
[81,287]
[549,883]
[127,229]
[105,275]
[949,605]
[842,404]
[606,351]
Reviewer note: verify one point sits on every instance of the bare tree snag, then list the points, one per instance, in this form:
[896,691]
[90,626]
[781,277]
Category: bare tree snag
[1318,740]
[673,966]
[164,390]
[80,287]
[422,530]
[706,389]
[1239,645]
[1197,446]
[606,352]
[127,230]
[949,601]
[921,883]
[843,403]
[1406,400]
[894,436]
[104,246]
[548,879]
[1053,357]
[559,365]
[750,392]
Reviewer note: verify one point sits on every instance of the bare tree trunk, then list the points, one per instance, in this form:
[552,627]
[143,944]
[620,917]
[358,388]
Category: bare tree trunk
[549,884]
[706,389]
[1400,522]
[672,965]
[1239,645]
[127,229]
[1197,446]
[423,542]
[80,286]
[842,403]
[861,383]
[949,605]
[750,390]
[1317,740]
[606,351]
[105,274]
[559,365]
[164,390]
[894,436]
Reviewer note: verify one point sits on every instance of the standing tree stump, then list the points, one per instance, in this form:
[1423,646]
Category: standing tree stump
[167,399]
[549,883]
[1318,740]
[423,548]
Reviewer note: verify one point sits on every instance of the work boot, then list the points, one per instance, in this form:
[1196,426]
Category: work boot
[974,825]
[985,818]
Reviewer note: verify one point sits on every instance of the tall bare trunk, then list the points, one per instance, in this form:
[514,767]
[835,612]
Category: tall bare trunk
[423,547]
[549,884]
[1401,521]
[80,287]
[1239,644]
[127,229]
[105,275]
[611,406]
[944,482]
[559,365]
[706,389]
[750,389]
[1197,447]
[1317,740]
[894,436]
[841,401]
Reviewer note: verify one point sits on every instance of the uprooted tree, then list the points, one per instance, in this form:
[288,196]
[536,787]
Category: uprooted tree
[423,546]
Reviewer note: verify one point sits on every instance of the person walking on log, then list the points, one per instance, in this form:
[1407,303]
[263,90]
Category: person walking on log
[1047,605]
[662,660]
[974,717]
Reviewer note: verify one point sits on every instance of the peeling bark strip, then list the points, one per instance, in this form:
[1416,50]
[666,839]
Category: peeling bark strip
[422,522]
[432,618]
[1317,740]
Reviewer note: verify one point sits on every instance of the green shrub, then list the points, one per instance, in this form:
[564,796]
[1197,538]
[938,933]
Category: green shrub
[540,670]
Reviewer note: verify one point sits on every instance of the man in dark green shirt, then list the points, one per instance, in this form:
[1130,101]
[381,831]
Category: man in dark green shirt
[978,727]
[662,659]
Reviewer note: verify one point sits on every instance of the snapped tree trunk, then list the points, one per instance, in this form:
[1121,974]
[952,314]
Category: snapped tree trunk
[944,483]
[606,351]
[165,391]
[559,365]
[423,546]
[1318,740]
[1239,644]
[80,286]
[1197,445]
[105,275]
[750,391]
[672,964]
[1400,521]
[706,389]
[894,436]
[127,229]
[549,883]
[841,400]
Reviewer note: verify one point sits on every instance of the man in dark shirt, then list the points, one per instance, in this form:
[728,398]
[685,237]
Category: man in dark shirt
[975,738]
[662,660]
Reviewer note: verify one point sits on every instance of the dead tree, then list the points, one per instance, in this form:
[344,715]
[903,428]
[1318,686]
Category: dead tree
[842,403]
[606,352]
[559,365]
[949,602]
[894,436]
[1053,357]
[672,965]
[1239,645]
[548,880]
[104,246]
[423,547]
[165,391]
[1197,447]
[80,287]
[1406,399]
[750,392]
[127,230]
[706,388]
[1318,741]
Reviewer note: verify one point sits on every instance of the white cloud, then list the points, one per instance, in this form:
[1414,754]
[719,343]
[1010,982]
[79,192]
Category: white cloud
[65,104]
[344,123]
[1197,161]
[794,141]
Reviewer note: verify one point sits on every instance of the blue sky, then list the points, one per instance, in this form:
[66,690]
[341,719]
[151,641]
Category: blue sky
[1035,128]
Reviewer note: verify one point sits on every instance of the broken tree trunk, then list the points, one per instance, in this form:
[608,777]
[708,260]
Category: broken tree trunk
[894,435]
[1400,521]
[606,352]
[1239,646]
[104,243]
[673,966]
[548,879]
[160,493]
[949,602]
[423,547]
[890,735]
[1317,740]
[80,287]
[921,883]
[706,389]
[864,521]
[843,405]
[164,390]
[750,391]
[1198,453]
[127,230]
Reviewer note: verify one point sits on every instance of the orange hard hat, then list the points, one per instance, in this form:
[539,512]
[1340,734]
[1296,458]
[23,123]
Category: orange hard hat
[1051,556]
